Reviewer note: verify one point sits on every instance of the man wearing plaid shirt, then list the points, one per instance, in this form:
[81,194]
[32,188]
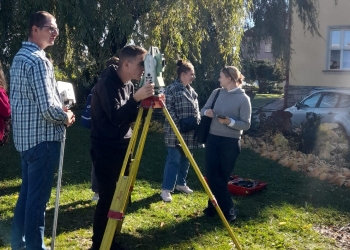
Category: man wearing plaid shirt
[38,129]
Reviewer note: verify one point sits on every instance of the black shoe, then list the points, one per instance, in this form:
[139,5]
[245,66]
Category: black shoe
[209,211]
[231,215]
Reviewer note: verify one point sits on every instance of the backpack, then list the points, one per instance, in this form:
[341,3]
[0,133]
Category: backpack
[86,115]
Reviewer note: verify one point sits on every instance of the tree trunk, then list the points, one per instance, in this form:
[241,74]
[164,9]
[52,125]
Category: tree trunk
[288,53]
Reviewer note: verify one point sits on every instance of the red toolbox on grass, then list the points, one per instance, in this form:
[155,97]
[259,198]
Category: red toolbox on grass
[243,187]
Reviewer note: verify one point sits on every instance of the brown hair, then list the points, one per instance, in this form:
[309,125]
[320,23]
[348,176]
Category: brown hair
[234,73]
[3,83]
[113,60]
[183,67]
[130,52]
[39,19]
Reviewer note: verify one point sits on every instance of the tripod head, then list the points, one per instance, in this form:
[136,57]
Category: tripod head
[154,66]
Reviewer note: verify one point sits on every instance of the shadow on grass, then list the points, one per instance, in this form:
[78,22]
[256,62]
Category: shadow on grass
[9,190]
[71,217]
[171,236]
[286,187]
[5,232]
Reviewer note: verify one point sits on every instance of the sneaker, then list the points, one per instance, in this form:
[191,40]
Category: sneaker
[209,211]
[184,189]
[95,197]
[166,196]
[231,216]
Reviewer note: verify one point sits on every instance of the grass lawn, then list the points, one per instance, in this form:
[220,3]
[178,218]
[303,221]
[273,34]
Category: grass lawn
[280,217]
[262,99]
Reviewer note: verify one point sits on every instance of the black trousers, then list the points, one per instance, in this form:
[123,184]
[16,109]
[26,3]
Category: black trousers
[220,156]
[108,162]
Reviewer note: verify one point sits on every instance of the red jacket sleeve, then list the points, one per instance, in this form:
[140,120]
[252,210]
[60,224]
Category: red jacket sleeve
[5,110]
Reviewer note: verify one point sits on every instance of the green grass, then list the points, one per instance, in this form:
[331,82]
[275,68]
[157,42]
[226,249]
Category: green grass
[260,100]
[280,217]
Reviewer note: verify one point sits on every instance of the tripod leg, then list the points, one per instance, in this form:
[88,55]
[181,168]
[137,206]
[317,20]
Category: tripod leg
[200,176]
[125,183]
[136,161]
[58,190]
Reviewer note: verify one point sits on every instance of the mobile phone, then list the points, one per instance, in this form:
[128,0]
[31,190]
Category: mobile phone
[221,116]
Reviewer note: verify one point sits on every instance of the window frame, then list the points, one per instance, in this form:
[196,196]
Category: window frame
[341,48]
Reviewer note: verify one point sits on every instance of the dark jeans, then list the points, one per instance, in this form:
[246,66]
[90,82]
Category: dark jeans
[107,162]
[38,168]
[220,157]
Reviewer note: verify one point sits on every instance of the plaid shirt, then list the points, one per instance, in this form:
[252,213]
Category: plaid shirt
[36,110]
[181,102]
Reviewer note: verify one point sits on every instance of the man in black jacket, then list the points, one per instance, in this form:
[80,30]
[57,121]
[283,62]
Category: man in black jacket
[114,106]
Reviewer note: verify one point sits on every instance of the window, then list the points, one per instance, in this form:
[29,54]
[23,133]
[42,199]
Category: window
[311,101]
[339,49]
[268,46]
[344,101]
[329,100]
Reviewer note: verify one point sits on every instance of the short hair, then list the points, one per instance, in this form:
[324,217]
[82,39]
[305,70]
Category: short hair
[39,19]
[183,67]
[113,60]
[130,52]
[234,73]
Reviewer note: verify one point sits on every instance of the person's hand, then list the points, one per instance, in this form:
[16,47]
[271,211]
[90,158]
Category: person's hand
[145,91]
[209,113]
[225,121]
[71,117]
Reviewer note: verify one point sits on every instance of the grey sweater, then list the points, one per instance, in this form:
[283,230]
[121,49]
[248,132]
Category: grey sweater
[234,104]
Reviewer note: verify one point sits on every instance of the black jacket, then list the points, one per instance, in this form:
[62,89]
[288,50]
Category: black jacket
[113,108]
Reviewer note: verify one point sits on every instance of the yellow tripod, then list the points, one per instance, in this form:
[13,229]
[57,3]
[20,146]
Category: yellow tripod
[125,183]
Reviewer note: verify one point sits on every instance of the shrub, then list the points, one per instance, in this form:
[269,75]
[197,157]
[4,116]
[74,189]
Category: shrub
[306,134]
[278,121]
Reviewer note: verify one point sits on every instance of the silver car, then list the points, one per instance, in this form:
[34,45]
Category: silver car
[333,105]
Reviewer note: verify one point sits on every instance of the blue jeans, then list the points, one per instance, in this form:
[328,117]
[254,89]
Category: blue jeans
[175,170]
[38,167]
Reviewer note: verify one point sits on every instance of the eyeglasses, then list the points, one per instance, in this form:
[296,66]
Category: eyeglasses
[51,29]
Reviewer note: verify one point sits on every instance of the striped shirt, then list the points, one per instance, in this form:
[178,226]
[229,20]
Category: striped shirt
[36,110]
[181,102]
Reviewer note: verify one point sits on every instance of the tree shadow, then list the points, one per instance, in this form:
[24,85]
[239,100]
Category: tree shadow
[9,190]
[172,235]
[286,187]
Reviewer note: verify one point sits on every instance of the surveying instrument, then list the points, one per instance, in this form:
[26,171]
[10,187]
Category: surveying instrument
[66,92]
[154,66]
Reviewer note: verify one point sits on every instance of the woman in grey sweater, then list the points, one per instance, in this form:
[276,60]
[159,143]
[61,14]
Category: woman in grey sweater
[231,115]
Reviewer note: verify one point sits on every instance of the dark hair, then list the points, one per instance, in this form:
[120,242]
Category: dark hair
[234,73]
[113,60]
[3,83]
[130,52]
[39,19]
[183,67]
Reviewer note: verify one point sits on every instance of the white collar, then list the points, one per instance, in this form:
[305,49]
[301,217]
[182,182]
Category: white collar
[232,90]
